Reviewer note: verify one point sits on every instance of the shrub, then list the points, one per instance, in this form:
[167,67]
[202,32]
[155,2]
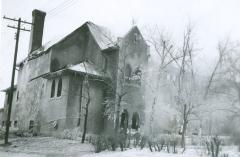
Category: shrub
[136,139]
[213,146]
[99,144]
[22,133]
[143,142]
[169,141]
[105,142]
[174,141]
[70,134]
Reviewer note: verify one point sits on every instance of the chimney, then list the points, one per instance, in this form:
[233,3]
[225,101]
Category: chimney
[38,18]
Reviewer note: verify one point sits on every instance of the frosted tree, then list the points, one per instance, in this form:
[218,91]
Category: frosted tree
[166,54]
[188,97]
[224,80]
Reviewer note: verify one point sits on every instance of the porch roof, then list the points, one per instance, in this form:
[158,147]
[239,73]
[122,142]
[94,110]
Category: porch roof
[84,68]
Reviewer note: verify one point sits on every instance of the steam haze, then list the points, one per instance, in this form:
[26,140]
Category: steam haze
[213,20]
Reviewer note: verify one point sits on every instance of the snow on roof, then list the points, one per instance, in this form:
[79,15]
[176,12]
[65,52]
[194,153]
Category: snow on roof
[102,36]
[82,68]
[85,67]
[52,42]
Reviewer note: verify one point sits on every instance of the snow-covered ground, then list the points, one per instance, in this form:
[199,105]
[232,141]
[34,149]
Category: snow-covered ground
[44,146]
[53,147]
[146,153]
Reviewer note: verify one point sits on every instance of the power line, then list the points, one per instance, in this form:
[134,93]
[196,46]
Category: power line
[10,95]
[60,6]
[46,4]
[63,9]
[56,12]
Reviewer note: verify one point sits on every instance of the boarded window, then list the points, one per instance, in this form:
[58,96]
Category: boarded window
[59,89]
[53,89]
[15,124]
[135,121]
[31,124]
[124,119]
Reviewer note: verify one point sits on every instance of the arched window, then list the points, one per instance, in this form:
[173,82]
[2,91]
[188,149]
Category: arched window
[59,89]
[135,121]
[128,71]
[53,89]
[124,119]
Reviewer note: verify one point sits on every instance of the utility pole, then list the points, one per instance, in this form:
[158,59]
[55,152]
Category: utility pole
[10,95]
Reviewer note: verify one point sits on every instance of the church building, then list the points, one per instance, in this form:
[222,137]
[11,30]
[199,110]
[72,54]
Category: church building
[86,69]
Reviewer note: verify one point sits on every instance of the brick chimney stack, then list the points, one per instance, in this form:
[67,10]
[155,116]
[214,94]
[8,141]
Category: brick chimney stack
[38,18]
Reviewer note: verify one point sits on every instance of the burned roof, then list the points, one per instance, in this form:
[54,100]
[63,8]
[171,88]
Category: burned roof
[102,36]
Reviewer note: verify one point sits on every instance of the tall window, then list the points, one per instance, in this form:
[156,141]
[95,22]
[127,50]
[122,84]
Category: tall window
[59,89]
[128,71]
[135,121]
[124,119]
[53,89]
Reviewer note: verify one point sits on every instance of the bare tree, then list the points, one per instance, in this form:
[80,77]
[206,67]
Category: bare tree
[187,98]
[88,100]
[222,51]
[163,46]
[225,77]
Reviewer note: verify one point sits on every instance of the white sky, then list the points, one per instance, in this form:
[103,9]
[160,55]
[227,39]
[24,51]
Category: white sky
[213,21]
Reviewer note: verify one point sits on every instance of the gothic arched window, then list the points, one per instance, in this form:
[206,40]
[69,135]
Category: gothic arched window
[124,119]
[128,71]
[135,121]
[53,89]
[59,89]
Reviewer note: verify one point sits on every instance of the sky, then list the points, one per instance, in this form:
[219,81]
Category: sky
[213,20]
